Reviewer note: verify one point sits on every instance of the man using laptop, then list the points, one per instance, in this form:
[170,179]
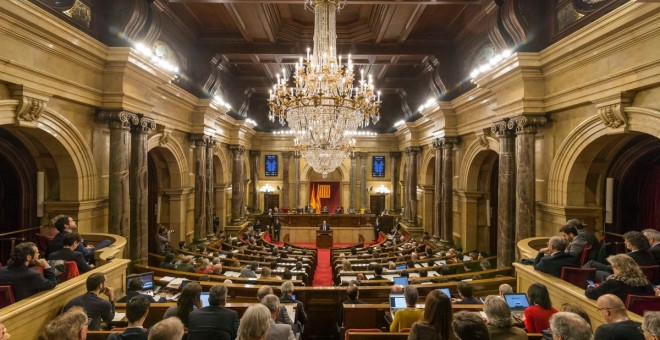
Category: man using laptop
[135,289]
[214,321]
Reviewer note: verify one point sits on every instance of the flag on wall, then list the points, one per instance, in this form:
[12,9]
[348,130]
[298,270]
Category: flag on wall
[324,191]
[314,200]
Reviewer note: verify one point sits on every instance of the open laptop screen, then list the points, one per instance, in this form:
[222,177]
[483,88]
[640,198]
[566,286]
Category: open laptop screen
[205,299]
[445,291]
[397,301]
[401,281]
[517,301]
[401,267]
[147,280]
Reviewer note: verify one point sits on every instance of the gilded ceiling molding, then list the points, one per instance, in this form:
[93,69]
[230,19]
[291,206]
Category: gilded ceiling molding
[611,110]
[31,104]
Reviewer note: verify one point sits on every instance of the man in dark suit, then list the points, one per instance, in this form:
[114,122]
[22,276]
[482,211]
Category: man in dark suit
[277,227]
[276,331]
[376,229]
[135,289]
[585,236]
[639,251]
[68,252]
[654,240]
[214,321]
[324,227]
[137,309]
[287,297]
[24,281]
[556,257]
[96,308]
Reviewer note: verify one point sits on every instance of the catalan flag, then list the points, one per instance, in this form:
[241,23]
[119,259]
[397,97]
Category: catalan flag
[314,200]
[324,191]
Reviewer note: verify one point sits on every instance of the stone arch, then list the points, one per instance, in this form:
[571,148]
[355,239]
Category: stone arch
[221,166]
[173,155]
[76,171]
[426,166]
[429,208]
[472,160]
[343,169]
[566,179]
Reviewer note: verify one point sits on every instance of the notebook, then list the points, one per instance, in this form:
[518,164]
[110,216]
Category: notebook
[401,281]
[445,291]
[517,302]
[397,301]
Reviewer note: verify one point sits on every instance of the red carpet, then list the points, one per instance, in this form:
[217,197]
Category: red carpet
[323,273]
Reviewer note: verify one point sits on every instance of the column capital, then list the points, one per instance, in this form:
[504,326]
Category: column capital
[395,154]
[287,154]
[501,129]
[362,155]
[611,109]
[210,142]
[444,142]
[235,148]
[255,153]
[525,124]
[118,119]
[143,125]
[200,139]
[412,149]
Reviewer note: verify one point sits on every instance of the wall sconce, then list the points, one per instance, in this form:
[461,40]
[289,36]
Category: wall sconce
[382,190]
[267,189]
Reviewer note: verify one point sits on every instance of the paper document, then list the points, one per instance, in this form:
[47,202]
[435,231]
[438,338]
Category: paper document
[118,316]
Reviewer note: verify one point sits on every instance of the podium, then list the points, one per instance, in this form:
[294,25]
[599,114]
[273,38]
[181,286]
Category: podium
[324,239]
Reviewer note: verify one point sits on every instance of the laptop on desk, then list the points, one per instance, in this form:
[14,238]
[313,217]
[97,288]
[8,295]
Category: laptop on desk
[148,283]
[517,303]
[397,301]
[401,281]
[445,291]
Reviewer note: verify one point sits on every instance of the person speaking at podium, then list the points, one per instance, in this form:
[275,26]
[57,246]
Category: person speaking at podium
[324,227]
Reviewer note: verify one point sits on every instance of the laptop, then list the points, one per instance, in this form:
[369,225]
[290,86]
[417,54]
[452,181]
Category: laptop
[401,267]
[205,299]
[445,291]
[397,301]
[147,281]
[401,281]
[517,302]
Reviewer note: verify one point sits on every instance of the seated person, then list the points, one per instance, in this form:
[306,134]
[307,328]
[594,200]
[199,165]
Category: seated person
[404,318]
[469,326]
[168,262]
[500,320]
[436,322]
[627,279]
[353,294]
[186,264]
[638,246]
[137,309]
[135,289]
[574,243]
[618,325]
[465,294]
[537,315]
[287,290]
[556,257]
[249,270]
[214,321]
[189,300]
[65,225]
[96,308]
[24,281]
[70,325]
[68,252]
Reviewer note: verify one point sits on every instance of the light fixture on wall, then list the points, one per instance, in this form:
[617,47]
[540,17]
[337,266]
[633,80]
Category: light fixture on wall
[267,189]
[323,103]
[382,190]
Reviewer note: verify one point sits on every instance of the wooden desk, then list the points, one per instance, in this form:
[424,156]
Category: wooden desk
[372,315]
[324,239]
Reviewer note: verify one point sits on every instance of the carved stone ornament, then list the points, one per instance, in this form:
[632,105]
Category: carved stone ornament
[30,109]
[501,129]
[482,139]
[144,125]
[165,138]
[526,124]
[612,115]
[200,139]
[237,149]
[119,119]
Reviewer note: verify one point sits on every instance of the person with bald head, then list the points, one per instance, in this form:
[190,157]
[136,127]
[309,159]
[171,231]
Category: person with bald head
[618,325]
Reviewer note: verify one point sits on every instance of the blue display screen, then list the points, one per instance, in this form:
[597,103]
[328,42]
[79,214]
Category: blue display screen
[378,166]
[271,165]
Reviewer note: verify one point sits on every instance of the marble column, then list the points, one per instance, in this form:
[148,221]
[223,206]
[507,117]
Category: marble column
[286,161]
[296,181]
[254,165]
[447,194]
[199,157]
[139,191]
[210,178]
[394,167]
[412,182]
[119,123]
[353,181]
[506,211]
[437,188]
[363,180]
[526,128]
[236,183]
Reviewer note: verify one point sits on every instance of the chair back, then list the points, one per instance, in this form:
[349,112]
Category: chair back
[366,330]
[42,242]
[639,303]
[6,296]
[578,276]
[404,330]
[652,273]
[585,254]
[70,272]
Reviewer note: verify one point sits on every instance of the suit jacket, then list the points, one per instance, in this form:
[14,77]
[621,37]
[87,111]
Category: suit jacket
[552,264]
[95,307]
[56,243]
[324,227]
[26,282]
[131,333]
[247,273]
[279,332]
[506,333]
[655,251]
[301,316]
[642,257]
[133,294]
[213,322]
[67,254]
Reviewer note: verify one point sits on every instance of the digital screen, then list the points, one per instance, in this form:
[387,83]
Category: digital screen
[401,281]
[516,301]
[397,301]
[271,165]
[378,166]
[205,299]
[445,291]
[401,267]
[147,280]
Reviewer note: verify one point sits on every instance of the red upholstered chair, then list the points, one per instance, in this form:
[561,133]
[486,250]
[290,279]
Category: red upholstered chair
[404,330]
[71,271]
[578,276]
[42,242]
[638,303]
[367,330]
[585,254]
[6,296]
[652,273]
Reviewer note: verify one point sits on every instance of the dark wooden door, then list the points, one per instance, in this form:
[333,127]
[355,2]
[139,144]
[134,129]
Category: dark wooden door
[271,201]
[377,204]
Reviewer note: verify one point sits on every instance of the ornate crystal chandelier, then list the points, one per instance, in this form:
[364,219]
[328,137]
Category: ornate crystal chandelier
[324,102]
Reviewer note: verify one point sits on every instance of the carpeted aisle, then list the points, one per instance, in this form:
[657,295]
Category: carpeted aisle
[323,274]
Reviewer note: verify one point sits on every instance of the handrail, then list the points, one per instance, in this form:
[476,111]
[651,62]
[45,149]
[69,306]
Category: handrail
[613,234]
[19,231]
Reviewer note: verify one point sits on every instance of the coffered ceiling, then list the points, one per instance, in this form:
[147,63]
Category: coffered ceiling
[406,45]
